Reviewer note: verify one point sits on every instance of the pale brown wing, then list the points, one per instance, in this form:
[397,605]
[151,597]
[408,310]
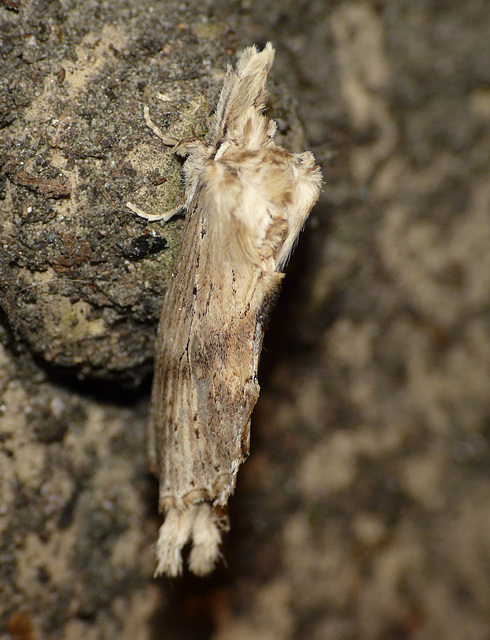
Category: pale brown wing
[205,384]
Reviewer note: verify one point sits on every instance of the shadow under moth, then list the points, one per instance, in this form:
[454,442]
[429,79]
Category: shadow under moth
[247,200]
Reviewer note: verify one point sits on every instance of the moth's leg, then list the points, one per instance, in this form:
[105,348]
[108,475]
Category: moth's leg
[155,217]
[167,140]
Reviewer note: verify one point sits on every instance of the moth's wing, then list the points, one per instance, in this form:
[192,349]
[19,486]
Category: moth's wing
[170,402]
[205,384]
[242,224]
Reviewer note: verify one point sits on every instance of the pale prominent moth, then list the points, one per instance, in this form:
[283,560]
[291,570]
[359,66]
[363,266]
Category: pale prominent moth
[247,200]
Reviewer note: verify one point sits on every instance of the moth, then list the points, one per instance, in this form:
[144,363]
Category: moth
[246,201]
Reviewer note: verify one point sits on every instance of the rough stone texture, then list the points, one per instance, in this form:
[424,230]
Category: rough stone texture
[364,510]
[82,275]
[75,553]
